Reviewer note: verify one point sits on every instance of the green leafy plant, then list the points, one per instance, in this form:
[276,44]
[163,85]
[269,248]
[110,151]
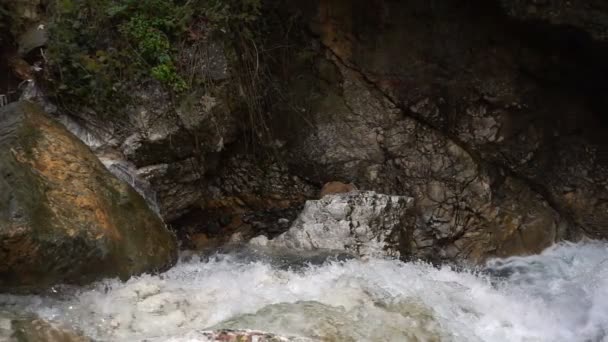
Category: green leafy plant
[100,49]
[102,44]
[150,27]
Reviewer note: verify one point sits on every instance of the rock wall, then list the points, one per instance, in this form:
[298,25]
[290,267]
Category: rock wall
[490,114]
[492,123]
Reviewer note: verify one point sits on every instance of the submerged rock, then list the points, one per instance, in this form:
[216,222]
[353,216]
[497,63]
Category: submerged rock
[63,216]
[31,328]
[365,224]
[226,335]
[36,330]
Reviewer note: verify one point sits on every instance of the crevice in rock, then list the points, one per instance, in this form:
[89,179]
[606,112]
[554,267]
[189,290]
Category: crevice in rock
[9,82]
[405,111]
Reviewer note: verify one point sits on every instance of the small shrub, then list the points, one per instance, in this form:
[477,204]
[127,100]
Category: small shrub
[100,49]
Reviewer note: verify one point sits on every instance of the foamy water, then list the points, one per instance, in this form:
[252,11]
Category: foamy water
[561,295]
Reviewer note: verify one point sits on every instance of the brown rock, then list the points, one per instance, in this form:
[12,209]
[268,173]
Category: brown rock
[21,68]
[202,241]
[63,216]
[336,188]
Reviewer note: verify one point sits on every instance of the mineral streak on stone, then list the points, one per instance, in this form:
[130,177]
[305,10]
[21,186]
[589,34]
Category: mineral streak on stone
[63,216]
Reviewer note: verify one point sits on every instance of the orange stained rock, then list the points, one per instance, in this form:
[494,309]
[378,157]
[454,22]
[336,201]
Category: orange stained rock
[336,188]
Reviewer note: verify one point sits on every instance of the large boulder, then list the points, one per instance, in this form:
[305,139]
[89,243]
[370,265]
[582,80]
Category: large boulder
[63,216]
[364,224]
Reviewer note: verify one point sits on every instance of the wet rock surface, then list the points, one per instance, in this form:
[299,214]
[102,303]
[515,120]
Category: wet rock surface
[227,335]
[63,216]
[33,329]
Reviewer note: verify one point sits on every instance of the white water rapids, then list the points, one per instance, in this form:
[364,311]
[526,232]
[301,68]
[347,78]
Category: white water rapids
[560,295]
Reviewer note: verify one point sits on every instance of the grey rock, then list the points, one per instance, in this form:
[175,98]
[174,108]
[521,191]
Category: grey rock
[365,224]
[34,37]
[63,217]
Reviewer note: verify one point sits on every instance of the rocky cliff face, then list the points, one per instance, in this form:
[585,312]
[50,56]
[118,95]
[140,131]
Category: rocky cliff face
[494,125]
[490,114]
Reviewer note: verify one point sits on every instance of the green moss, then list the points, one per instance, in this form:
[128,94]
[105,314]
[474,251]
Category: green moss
[99,50]
[149,27]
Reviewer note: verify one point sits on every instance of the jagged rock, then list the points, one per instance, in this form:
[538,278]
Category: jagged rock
[63,216]
[167,149]
[365,224]
[249,197]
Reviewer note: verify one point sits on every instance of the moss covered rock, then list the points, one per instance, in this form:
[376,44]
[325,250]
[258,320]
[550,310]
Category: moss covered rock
[63,216]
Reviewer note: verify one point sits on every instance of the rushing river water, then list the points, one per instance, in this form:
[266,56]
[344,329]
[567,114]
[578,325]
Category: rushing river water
[560,295]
